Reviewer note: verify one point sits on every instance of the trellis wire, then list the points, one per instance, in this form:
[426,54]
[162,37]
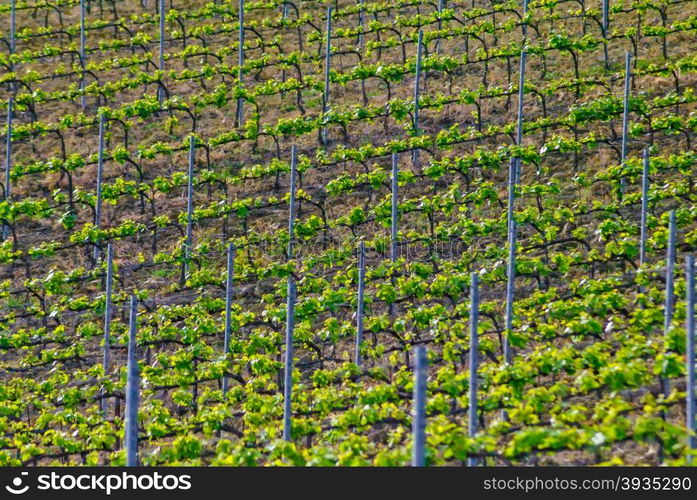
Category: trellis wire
[161,66]
[327,65]
[288,369]
[82,54]
[625,116]
[291,201]
[240,63]
[417,85]
[228,306]
[8,161]
[132,383]
[644,207]
[100,173]
[473,361]
[359,306]
[418,423]
[107,316]
[394,207]
[670,280]
[690,357]
[189,207]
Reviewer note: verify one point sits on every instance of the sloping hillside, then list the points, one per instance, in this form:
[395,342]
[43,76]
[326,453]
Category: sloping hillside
[556,195]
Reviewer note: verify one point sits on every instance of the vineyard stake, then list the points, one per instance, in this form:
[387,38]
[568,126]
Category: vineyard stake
[644,207]
[100,173]
[512,237]
[625,117]
[228,307]
[8,161]
[524,23]
[131,432]
[418,424]
[291,202]
[393,222]
[473,355]
[521,94]
[690,357]
[240,63]
[13,27]
[361,23]
[13,39]
[606,16]
[189,206]
[417,84]
[441,4]
[394,207]
[107,316]
[327,65]
[361,42]
[82,54]
[512,168]
[290,307]
[161,66]
[359,307]
[606,26]
[288,370]
[510,292]
[670,280]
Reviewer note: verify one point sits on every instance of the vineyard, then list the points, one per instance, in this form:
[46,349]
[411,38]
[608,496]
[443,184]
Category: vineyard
[274,232]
